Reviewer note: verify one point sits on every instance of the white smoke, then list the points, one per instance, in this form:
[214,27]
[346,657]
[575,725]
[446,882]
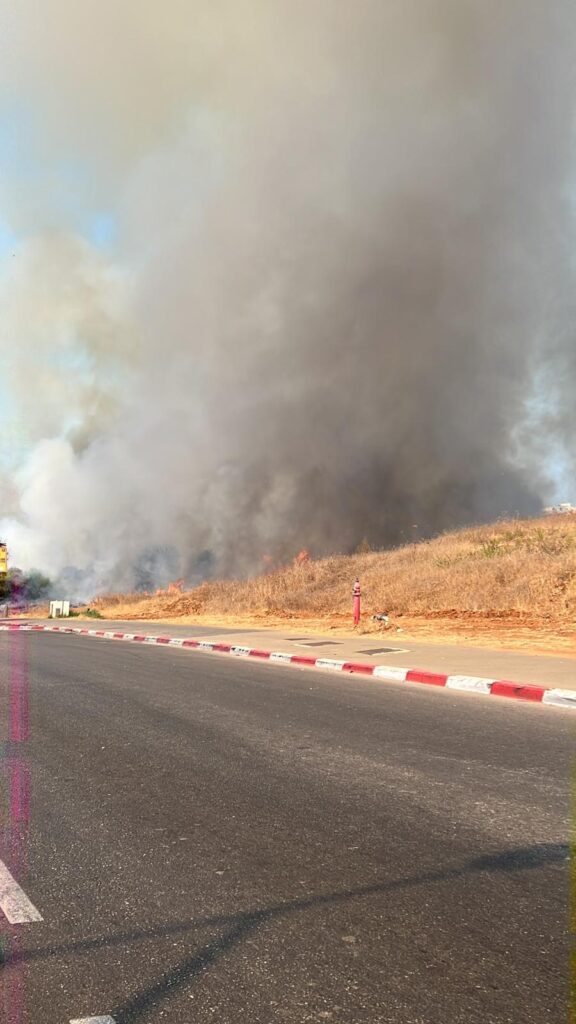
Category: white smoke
[343,261]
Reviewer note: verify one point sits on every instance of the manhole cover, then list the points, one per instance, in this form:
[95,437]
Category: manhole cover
[384,650]
[321,643]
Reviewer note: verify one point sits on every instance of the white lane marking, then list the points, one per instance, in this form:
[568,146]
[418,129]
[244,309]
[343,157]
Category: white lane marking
[93,1020]
[14,903]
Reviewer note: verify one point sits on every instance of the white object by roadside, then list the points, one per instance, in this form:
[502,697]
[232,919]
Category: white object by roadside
[59,609]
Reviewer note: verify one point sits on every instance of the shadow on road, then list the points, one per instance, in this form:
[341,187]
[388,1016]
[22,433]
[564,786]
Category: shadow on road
[242,924]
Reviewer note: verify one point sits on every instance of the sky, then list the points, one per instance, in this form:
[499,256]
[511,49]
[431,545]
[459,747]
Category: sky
[276,276]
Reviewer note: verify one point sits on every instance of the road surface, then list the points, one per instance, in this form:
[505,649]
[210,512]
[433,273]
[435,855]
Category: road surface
[388,649]
[216,840]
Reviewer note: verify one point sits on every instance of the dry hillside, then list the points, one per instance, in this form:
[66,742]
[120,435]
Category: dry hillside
[511,578]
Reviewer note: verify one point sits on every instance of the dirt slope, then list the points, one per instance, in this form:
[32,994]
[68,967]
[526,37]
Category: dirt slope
[511,583]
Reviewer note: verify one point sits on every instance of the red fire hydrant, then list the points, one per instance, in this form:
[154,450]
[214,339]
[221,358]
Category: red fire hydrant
[356,595]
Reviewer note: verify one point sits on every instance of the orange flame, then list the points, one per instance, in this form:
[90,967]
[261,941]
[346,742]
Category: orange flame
[302,557]
[173,588]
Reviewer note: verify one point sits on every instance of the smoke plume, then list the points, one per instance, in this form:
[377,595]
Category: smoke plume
[339,300]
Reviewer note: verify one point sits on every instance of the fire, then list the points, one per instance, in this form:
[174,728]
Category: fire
[173,588]
[270,562]
[302,557]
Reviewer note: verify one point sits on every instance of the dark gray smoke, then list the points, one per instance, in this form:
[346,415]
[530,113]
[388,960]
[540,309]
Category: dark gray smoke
[340,301]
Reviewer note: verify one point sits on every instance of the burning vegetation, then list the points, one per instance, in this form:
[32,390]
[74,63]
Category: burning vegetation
[516,575]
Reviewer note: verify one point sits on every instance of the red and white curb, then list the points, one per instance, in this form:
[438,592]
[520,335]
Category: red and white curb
[471,684]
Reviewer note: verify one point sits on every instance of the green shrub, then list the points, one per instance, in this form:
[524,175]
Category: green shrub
[491,548]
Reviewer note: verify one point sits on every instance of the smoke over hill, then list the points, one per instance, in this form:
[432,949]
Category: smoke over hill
[339,300]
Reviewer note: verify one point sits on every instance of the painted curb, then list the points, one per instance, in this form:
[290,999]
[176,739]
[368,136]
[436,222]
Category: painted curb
[471,684]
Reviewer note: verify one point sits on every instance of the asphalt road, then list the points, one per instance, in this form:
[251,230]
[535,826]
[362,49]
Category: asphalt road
[217,840]
[542,670]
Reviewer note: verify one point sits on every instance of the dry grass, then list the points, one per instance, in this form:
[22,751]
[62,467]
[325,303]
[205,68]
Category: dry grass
[514,570]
